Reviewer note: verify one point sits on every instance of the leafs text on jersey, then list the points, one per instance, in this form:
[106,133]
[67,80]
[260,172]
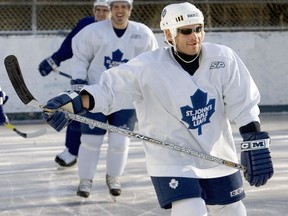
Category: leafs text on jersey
[200,112]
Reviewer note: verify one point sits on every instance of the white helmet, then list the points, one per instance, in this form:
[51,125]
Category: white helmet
[174,16]
[101,3]
[130,2]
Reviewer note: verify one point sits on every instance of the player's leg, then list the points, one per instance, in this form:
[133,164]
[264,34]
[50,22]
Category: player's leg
[236,208]
[68,157]
[189,207]
[183,195]
[88,156]
[118,146]
[223,195]
[73,136]
[117,154]
[87,162]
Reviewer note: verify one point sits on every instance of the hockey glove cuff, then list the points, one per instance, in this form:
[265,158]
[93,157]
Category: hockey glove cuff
[255,156]
[47,65]
[69,101]
[78,84]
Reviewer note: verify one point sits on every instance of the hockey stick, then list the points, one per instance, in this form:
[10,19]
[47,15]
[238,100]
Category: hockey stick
[62,73]
[26,135]
[16,78]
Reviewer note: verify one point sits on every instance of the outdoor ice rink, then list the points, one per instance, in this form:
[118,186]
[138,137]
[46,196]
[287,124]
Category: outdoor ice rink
[31,185]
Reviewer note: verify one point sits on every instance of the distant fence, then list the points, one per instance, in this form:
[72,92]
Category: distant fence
[59,16]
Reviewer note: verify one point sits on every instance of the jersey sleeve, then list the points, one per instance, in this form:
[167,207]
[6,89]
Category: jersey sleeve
[152,43]
[241,95]
[82,53]
[118,89]
[65,50]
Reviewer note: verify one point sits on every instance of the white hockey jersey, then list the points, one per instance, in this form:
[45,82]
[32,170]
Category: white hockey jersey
[190,111]
[97,48]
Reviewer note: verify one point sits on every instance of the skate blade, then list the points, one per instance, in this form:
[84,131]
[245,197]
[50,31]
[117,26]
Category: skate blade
[82,199]
[59,167]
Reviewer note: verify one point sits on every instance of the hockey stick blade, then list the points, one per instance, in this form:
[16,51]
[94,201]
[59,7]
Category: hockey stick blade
[17,80]
[26,135]
[30,100]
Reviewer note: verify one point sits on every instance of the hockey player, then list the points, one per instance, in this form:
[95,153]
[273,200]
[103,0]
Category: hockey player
[186,94]
[68,157]
[3,99]
[96,48]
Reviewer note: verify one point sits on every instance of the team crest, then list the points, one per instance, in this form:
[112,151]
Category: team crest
[91,126]
[200,112]
[173,184]
[116,59]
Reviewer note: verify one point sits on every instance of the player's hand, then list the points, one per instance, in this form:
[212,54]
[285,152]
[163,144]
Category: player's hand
[58,120]
[255,156]
[3,97]
[47,65]
[78,84]
[69,101]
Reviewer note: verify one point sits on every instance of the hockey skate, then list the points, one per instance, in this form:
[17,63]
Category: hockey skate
[65,159]
[84,188]
[114,186]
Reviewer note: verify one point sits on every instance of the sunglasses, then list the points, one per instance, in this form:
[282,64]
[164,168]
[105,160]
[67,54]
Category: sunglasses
[188,31]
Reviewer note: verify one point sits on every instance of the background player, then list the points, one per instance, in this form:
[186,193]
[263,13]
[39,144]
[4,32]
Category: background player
[3,99]
[96,48]
[68,157]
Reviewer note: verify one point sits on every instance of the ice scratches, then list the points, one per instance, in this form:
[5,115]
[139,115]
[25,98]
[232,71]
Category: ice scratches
[30,185]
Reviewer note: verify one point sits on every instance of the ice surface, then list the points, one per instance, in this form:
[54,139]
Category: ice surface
[31,184]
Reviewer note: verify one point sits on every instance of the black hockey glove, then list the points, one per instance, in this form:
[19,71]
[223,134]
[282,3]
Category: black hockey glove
[69,101]
[78,84]
[255,156]
[47,65]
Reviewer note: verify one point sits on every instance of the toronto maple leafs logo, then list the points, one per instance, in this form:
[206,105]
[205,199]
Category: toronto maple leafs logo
[173,184]
[200,112]
[91,126]
[116,59]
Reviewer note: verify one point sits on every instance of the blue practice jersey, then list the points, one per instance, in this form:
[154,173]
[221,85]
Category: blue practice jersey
[65,50]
